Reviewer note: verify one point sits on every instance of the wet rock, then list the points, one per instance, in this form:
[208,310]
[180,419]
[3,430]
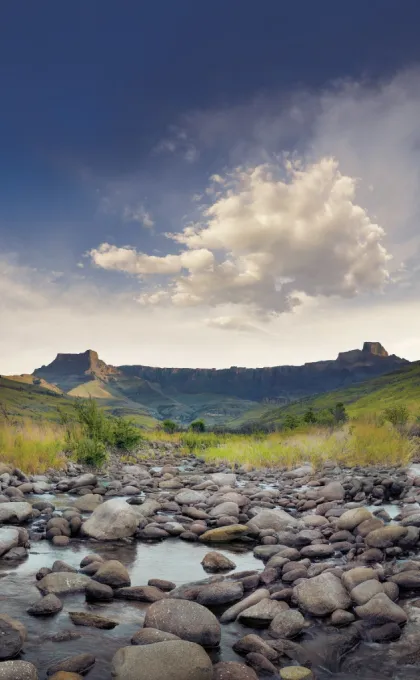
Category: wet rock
[46,606]
[91,558]
[63,582]
[190,497]
[296,673]
[113,573]
[261,663]
[140,594]
[15,512]
[233,612]
[12,637]
[385,537]
[174,659]
[188,620]
[17,670]
[380,609]
[389,632]
[254,643]
[350,519]
[287,624]
[162,584]
[408,580]
[216,594]
[333,491]
[98,592]
[9,538]
[111,520]
[224,534]
[81,663]
[365,591]
[223,478]
[354,577]
[231,670]
[318,550]
[65,636]
[59,565]
[261,614]
[88,503]
[322,595]
[148,636]
[342,617]
[277,519]
[60,541]
[92,620]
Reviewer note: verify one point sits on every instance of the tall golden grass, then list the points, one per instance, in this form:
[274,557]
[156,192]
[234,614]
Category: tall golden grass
[31,446]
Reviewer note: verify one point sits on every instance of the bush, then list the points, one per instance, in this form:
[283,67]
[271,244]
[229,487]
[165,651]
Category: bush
[397,415]
[90,451]
[126,435]
[95,423]
[309,417]
[169,426]
[198,426]
[291,422]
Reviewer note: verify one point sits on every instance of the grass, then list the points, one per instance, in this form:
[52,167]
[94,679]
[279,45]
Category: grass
[32,447]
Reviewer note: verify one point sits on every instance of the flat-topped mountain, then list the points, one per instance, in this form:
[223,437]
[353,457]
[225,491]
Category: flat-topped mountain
[215,394]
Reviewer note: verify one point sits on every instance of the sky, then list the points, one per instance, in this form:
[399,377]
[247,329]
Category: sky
[208,184]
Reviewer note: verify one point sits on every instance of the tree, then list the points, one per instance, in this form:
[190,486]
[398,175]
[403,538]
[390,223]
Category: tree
[397,415]
[309,417]
[198,426]
[340,413]
[291,422]
[169,426]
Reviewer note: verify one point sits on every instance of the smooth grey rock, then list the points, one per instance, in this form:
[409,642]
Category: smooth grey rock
[380,609]
[46,606]
[322,595]
[188,620]
[111,520]
[17,670]
[113,573]
[63,582]
[233,612]
[277,519]
[171,660]
[15,511]
[88,503]
[365,591]
[9,538]
[287,624]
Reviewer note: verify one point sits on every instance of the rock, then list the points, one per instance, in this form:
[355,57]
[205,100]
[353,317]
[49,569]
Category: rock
[254,643]
[87,479]
[223,478]
[386,633]
[188,620]
[65,636]
[352,518]
[9,538]
[341,618]
[354,577]
[12,637]
[333,491]
[296,673]
[365,591]
[216,594]
[98,592]
[321,595]
[80,663]
[228,508]
[287,624]
[140,594]
[172,660]
[318,550]
[64,675]
[146,509]
[87,619]
[15,512]
[233,612]
[113,573]
[380,609]
[162,584]
[46,606]
[17,670]
[231,670]
[59,565]
[88,503]
[385,537]
[148,636]
[63,582]
[224,534]
[111,520]
[409,580]
[60,541]
[261,664]
[189,497]
[262,613]
[277,519]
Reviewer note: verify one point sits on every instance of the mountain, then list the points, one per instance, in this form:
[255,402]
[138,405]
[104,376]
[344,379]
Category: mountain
[217,395]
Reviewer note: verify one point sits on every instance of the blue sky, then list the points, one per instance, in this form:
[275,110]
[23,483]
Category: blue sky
[277,143]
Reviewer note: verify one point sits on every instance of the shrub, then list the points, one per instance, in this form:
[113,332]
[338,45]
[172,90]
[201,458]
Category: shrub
[198,426]
[340,413]
[126,435]
[309,416]
[291,422]
[169,426]
[95,423]
[90,451]
[397,415]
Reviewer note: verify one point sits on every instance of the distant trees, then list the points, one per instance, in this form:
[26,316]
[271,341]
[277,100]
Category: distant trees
[397,415]
[309,416]
[197,426]
[169,426]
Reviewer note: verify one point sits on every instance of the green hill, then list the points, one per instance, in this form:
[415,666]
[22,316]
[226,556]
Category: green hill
[366,398]
[22,399]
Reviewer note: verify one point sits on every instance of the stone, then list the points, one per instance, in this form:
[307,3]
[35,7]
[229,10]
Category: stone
[321,595]
[277,519]
[262,613]
[60,541]
[341,617]
[350,519]
[385,537]
[9,538]
[80,663]
[233,612]
[111,520]
[15,512]
[189,497]
[46,606]
[141,594]
[287,624]
[409,580]
[148,636]
[224,534]
[18,670]
[333,491]
[92,620]
[354,577]
[62,583]
[98,592]
[228,508]
[365,591]
[214,562]
[296,673]
[261,664]
[317,550]
[232,670]
[188,620]
[380,609]
[223,478]
[254,643]
[88,503]
[172,660]
[87,479]
[12,637]
[113,573]
[162,584]
[216,594]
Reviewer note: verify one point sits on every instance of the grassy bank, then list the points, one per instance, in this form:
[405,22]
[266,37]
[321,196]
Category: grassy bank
[33,447]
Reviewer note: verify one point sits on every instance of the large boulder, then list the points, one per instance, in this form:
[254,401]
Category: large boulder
[380,609]
[9,538]
[322,595]
[15,512]
[188,620]
[12,637]
[88,503]
[216,594]
[111,520]
[63,582]
[333,491]
[277,519]
[18,670]
[351,519]
[385,537]
[172,660]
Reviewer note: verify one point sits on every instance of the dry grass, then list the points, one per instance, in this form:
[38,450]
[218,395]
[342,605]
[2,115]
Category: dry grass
[32,447]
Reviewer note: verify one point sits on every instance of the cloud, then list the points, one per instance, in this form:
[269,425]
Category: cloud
[178,142]
[138,214]
[272,233]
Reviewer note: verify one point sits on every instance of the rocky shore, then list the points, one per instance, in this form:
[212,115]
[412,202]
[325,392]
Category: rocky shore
[333,593]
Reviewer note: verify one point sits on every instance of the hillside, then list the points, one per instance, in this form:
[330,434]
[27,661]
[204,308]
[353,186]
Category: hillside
[366,398]
[22,399]
[216,395]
